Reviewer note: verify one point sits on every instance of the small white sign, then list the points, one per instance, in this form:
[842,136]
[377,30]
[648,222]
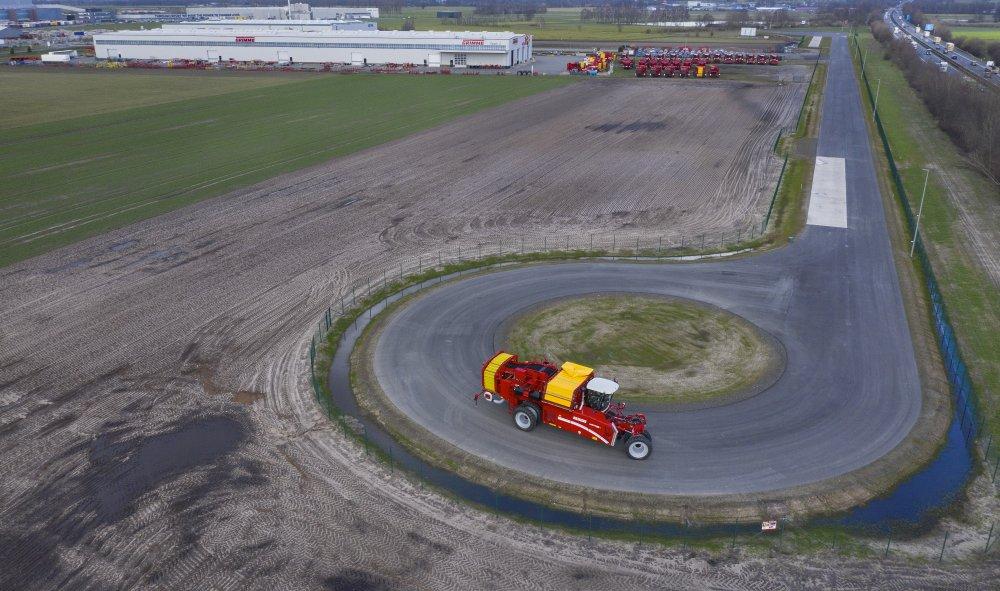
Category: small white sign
[748,32]
[769,526]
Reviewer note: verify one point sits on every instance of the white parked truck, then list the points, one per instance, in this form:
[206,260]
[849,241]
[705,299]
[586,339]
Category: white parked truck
[949,46]
[944,66]
[64,56]
[936,39]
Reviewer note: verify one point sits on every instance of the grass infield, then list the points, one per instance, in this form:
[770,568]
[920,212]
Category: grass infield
[662,350]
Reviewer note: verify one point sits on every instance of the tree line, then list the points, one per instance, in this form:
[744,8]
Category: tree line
[969,114]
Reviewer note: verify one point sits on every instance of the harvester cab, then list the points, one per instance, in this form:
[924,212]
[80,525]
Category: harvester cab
[569,397]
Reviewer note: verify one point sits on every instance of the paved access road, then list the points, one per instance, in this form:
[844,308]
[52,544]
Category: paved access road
[850,392]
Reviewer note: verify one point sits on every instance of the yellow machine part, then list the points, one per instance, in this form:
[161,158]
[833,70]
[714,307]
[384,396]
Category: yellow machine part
[701,71]
[490,371]
[559,390]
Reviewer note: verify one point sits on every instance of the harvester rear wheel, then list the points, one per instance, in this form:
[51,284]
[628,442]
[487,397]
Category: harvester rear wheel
[638,447]
[526,417]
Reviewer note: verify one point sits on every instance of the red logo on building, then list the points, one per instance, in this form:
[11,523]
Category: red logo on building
[244,39]
[473,42]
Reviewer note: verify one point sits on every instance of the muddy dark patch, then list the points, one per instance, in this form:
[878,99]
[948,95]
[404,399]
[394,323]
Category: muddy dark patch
[633,127]
[582,574]
[57,424]
[123,245]
[27,559]
[247,396]
[124,471]
[352,579]
[436,546]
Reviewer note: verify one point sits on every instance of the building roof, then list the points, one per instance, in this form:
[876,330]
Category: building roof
[226,22]
[307,31]
[62,7]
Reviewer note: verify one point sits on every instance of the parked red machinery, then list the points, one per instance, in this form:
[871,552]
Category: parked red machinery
[567,397]
[713,71]
[626,62]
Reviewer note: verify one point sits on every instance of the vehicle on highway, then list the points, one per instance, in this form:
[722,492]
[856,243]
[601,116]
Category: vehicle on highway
[569,397]
[943,66]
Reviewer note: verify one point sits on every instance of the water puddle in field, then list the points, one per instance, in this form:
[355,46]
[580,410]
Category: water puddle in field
[913,503]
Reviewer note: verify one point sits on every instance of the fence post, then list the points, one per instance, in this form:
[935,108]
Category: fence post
[886,555]
[994,479]
[989,536]
[941,556]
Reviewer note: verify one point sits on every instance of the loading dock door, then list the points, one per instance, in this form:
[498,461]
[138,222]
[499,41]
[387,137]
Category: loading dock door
[434,59]
[213,55]
[357,59]
[284,57]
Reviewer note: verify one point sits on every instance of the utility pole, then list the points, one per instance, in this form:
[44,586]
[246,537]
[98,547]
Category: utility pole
[875,108]
[920,211]
[864,60]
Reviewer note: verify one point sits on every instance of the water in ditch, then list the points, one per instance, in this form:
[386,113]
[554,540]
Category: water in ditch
[914,502]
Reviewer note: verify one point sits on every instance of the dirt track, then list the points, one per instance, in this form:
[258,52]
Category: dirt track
[155,423]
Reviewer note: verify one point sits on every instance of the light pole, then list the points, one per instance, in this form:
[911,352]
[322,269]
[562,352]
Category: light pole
[920,211]
[864,60]
[875,108]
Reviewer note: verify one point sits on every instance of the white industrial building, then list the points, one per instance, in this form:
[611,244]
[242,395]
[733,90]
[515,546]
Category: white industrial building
[296,11]
[314,42]
[272,25]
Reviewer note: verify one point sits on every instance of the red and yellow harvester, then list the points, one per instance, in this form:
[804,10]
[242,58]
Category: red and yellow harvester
[569,397]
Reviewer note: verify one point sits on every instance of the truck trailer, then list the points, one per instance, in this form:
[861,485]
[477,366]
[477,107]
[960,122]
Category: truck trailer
[569,397]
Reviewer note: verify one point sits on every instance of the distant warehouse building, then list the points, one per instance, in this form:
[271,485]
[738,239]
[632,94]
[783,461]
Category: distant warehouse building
[314,42]
[296,11]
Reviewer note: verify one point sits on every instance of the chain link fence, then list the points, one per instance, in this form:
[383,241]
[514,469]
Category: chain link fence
[968,410]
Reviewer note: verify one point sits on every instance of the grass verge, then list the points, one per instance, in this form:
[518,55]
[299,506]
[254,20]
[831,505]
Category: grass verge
[971,297]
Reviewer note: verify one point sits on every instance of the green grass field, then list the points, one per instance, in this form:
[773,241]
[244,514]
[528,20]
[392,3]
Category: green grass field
[969,294]
[35,96]
[562,24]
[987,33]
[69,179]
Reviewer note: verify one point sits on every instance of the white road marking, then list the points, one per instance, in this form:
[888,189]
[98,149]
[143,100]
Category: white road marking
[815,41]
[828,200]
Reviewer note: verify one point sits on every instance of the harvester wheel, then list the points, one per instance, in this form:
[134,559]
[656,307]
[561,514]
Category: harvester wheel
[639,447]
[526,417]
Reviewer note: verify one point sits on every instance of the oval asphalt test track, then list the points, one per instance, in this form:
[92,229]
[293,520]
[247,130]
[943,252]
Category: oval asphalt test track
[849,394]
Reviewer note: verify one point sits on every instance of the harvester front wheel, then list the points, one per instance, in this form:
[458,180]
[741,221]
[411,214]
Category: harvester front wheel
[638,447]
[526,417]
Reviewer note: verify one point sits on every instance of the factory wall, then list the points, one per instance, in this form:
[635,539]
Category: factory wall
[309,49]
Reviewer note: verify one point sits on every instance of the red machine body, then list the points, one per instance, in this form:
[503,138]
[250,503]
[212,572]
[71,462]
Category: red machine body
[570,398]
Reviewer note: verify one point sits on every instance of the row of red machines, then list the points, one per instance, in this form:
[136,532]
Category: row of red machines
[670,67]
